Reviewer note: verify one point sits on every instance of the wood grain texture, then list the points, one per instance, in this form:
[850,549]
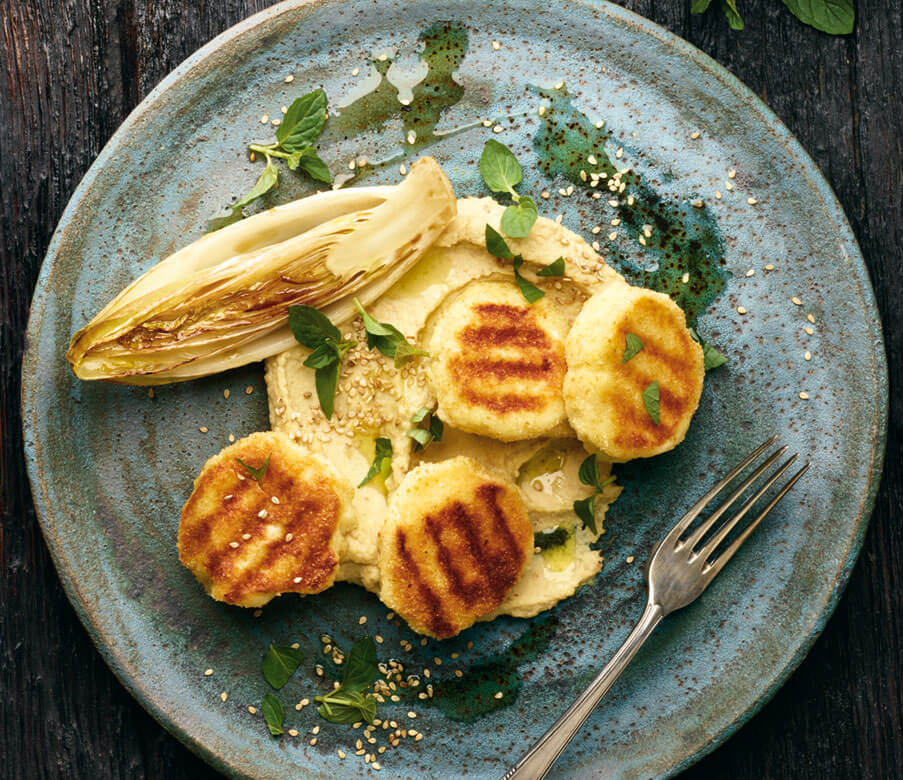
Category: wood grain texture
[71,70]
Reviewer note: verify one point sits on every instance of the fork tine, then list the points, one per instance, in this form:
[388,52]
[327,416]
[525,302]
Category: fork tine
[718,564]
[694,510]
[712,544]
[709,523]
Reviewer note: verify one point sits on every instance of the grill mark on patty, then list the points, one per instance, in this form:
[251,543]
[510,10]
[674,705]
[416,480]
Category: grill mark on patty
[488,495]
[436,619]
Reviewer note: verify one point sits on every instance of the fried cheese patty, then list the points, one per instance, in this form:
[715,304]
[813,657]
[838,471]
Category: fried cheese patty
[604,395]
[455,543]
[499,363]
[248,541]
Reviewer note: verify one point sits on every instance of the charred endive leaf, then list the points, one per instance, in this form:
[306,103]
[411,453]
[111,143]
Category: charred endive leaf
[223,301]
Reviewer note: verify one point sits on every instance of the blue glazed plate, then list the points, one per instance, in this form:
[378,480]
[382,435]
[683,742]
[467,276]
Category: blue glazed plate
[110,466]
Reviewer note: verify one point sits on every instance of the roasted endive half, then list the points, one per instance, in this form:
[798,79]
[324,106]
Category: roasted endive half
[223,301]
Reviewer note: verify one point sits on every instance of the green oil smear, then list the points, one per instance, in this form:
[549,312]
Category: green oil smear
[684,240]
[473,695]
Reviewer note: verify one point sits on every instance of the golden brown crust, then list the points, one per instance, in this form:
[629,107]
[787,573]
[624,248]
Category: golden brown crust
[455,544]
[244,548]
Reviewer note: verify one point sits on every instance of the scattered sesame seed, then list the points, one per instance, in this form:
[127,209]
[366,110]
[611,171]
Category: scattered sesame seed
[226,393]
[459,673]
[262,514]
[376,765]
[810,318]
[642,240]
[728,185]
[315,730]
[150,393]
[544,194]
[297,580]
[751,272]
[613,235]
[629,559]
[769,267]
[390,615]
[264,119]
[696,204]
[313,741]
[208,672]
[498,695]
[203,429]
[284,109]
[223,696]
[249,389]
[275,122]
[252,709]
[613,202]
[731,173]
[591,159]
[418,738]
[362,620]
[695,134]
[289,537]
[487,123]
[496,45]
[559,219]
[233,545]
[620,152]
[741,310]
[717,194]
[596,230]
[412,714]
[541,110]
[497,129]
[685,278]
[600,124]
[808,330]
[289,79]
[559,85]
[751,201]
[355,71]
[293,732]
[403,169]
[340,753]
[797,301]
[231,437]
[412,136]
[808,355]
[352,165]
[423,641]
[804,396]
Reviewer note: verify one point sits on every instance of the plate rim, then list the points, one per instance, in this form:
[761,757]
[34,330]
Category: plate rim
[619,15]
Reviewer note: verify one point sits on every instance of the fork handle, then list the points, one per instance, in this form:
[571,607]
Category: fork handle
[540,758]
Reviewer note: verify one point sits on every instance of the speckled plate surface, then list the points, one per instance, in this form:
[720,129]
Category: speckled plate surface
[111,467]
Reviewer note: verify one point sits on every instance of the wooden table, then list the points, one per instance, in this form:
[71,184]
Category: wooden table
[70,72]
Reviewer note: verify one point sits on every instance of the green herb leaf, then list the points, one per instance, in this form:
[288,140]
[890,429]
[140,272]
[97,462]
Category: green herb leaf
[404,351]
[530,291]
[589,471]
[634,346]
[651,402]
[273,714]
[387,339]
[437,428]
[382,461]
[421,435]
[265,182]
[344,706]
[699,6]
[326,380]
[831,16]
[256,474]
[519,218]
[279,664]
[499,168]
[496,245]
[733,15]
[303,122]
[420,415]
[310,327]
[586,511]
[360,667]
[314,167]
[553,269]
[322,356]
[546,540]
[711,357]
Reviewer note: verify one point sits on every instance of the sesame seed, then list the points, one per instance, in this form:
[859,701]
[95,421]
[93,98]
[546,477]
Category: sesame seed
[731,173]
[741,310]
[487,123]
[426,673]
[223,696]
[559,85]
[596,230]
[412,714]
[629,559]
[496,45]
[620,152]
[284,109]
[559,219]
[717,194]
[297,580]
[613,235]
[808,330]
[390,615]
[252,709]
[376,765]
[418,738]
[423,641]
[804,396]
[642,240]
[412,136]
[499,695]
[751,201]
[497,129]
[563,192]
[541,110]
[355,71]
[613,202]
[600,124]
[695,134]
[231,437]
[751,272]
[208,672]
[379,639]
[352,165]
[289,79]
[264,119]
[150,393]
[293,732]
[315,730]
[262,514]
[437,661]
[728,185]
[362,620]
[797,301]
[249,389]
[685,278]
[233,545]
[313,742]
[340,753]
[769,267]
[810,318]
[203,429]
[544,194]
[591,159]
[226,393]
[696,204]
[275,122]
[459,673]
[402,169]
[289,537]
[808,355]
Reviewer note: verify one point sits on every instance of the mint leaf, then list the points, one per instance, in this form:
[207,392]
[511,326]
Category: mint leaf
[651,402]
[733,15]
[546,540]
[311,327]
[519,218]
[257,474]
[314,167]
[699,6]
[589,471]
[831,16]
[496,245]
[530,291]
[344,706]
[634,346]
[404,351]
[387,339]
[303,122]
[553,269]
[586,511]
[321,357]
[711,357]
[273,714]
[279,664]
[265,182]
[420,415]
[382,462]
[423,436]
[499,168]
[360,665]
[326,380]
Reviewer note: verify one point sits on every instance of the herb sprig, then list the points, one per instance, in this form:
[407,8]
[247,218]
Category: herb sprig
[312,329]
[835,17]
[423,436]
[502,173]
[299,129]
[498,247]
[388,339]
[589,475]
[712,358]
[349,703]
[279,664]
[257,474]
[382,461]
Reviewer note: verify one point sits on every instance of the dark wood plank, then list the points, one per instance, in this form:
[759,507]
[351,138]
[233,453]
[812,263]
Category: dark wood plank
[71,70]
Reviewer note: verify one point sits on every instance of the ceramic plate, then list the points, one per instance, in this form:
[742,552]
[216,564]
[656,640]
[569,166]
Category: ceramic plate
[769,281]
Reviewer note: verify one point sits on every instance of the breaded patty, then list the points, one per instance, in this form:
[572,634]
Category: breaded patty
[247,540]
[604,394]
[498,363]
[455,542]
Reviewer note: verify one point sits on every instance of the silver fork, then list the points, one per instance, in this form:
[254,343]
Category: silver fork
[679,569]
